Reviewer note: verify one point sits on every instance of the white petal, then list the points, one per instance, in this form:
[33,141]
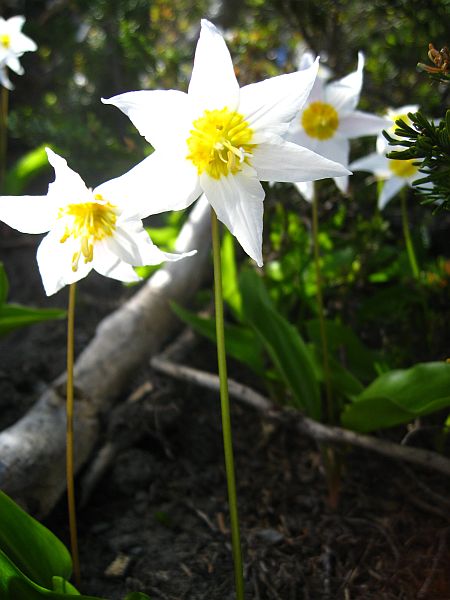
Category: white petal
[289,162]
[390,189]
[213,82]
[68,187]
[13,63]
[342,183]
[107,263]
[359,123]
[22,43]
[157,184]
[132,244]
[14,24]
[28,214]
[344,93]
[306,189]
[270,105]
[238,202]
[163,117]
[55,262]
[374,163]
[4,79]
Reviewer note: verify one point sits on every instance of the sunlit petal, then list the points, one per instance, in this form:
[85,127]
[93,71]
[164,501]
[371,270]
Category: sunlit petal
[238,203]
[213,82]
[28,214]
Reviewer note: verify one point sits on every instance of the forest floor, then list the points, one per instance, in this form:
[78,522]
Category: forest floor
[157,522]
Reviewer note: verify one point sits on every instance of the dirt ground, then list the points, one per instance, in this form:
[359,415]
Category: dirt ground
[157,521]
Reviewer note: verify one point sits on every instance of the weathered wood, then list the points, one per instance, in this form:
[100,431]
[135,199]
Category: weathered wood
[32,451]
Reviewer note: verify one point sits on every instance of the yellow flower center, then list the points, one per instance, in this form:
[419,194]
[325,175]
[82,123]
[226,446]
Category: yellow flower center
[320,120]
[5,40]
[220,143]
[403,168]
[89,222]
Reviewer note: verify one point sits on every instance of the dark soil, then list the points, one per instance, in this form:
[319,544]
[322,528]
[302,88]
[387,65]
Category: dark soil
[158,522]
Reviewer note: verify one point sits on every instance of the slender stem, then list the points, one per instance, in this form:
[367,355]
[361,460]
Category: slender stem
[69,437]
[225,406]
[407,235]
[323,331]
[3,133]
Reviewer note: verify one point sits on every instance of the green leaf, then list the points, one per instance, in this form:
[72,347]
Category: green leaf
[230,284]
[4,285]
[62,585]
[342,380]
[400,396]
[25,169]
[283,343]
[342,340]
[241,343]
[30,546]
[13,316]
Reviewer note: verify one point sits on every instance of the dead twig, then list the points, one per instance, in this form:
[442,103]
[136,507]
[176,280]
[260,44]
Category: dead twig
[318,431]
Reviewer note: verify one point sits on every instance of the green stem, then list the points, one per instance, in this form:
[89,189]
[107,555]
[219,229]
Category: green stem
[3,134]
[225,406]
[407,235]
[319,297]
[69,437]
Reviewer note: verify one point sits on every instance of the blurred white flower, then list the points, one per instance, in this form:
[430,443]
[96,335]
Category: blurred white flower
[221,140]
[395,173]
[329,119]
[13,44]
[393,114]
[88,229]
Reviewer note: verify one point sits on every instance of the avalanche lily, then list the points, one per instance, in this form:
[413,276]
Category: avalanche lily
[221,140]
[393,114]
[13,43]
[329,120]
[395,173]
[98,229]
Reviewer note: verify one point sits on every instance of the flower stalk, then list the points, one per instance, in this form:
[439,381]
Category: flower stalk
[319,297]
[407,235]
[3,133]
[225,409]
[69,437]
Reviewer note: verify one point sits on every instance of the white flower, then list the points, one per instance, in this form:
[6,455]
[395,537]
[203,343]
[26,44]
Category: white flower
[13,43]
[88,229]
[223,140]
[329,120]
[395,173]
[393,114]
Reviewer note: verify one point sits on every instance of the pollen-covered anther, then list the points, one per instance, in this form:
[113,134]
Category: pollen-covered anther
[320,120]
[403,168]
[5,40]
[220,143]
[87,223]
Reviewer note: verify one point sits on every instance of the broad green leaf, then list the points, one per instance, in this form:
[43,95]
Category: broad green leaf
[63,586]
[13,316]
[4,285]
[283,343]
[230,284]
[241,343]
[342,340]
[30,546]
[25,169]
[399,396]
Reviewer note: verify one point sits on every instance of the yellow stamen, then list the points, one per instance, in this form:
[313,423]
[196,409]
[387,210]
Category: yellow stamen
[320,120]
[220,143]
[5,40]
[89,223]
[403,168]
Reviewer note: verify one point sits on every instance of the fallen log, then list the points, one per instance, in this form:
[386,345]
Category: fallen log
[32,451]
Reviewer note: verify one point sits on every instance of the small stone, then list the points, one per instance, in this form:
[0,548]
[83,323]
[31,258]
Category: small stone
[119,566]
